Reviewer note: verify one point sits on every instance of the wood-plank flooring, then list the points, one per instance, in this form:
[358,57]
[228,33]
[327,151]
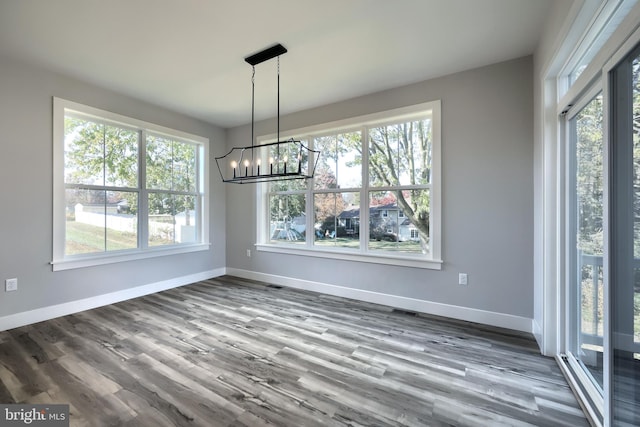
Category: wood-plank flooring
[233,352]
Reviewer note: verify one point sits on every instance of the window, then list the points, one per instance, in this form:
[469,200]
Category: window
[603,17]
[374,196]
[171,184]
[123,189]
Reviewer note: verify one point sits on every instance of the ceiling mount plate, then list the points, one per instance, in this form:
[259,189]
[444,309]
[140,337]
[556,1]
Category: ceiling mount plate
[267,54]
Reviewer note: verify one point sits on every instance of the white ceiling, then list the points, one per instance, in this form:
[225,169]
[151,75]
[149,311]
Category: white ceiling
[188,55]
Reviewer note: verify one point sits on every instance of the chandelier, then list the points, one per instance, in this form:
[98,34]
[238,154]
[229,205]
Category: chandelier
[276,161]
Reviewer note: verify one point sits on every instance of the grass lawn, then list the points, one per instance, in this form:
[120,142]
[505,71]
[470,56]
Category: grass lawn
[85,238]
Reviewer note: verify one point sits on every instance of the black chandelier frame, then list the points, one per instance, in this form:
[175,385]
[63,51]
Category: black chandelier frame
[277,161]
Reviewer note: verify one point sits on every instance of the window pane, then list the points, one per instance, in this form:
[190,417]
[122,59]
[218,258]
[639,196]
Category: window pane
[349,156]
[184,167]
[340,164]
[171,165]
[399,221]
[337,220]
[598,35]
[589,238]
[327,169]
[161,221]
[159,163]
[624,285]
[83,151]
[400,154]
[273,161]
[99,221]
[121,220]
[287,220]
[85,224]
[98,154]
[172,219]
[121,157]
[185,219]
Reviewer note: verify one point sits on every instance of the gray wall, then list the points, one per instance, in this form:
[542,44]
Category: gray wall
[487,195]
[26,194]
[487,186]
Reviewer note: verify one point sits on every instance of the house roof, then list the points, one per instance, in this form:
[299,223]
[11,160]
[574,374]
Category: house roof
[355,213]
[351,213]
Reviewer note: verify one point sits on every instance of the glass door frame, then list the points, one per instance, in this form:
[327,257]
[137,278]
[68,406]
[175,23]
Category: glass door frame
[601,408]
[557,94]
[617,131]
[588,389]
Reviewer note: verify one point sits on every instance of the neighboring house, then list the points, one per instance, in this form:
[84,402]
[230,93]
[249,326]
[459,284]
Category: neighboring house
[350,220]
[388,222]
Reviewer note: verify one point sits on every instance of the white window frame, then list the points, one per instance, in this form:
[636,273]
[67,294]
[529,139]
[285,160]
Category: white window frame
[431,260]
[599,20]
[61,261]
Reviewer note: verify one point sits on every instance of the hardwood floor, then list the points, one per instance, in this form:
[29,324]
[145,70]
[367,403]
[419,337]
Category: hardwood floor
[233,352]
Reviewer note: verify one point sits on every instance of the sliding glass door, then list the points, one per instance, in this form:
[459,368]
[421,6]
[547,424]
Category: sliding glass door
[602,293]
[625,241]
[585,293]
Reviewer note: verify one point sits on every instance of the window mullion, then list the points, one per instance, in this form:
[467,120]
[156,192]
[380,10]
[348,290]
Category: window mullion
[309,210]
[364,192]
[143,197]
[104,182]
[198,196]
[309,199]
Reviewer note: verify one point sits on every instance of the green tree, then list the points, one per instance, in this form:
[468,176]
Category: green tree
[400,155]
[589,177]
[327,206]
[99,154]
[105,155]
[170,167]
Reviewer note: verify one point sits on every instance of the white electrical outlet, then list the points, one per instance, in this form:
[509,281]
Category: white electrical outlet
[11,285]
[463,279]
[249,253]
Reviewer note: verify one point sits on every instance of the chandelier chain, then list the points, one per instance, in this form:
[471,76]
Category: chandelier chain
[253,102]
[278,115]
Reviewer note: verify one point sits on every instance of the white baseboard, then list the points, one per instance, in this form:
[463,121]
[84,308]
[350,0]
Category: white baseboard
[422,306]
[501,320]
[45,313]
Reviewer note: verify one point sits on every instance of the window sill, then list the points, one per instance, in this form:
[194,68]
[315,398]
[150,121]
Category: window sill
[102,259]
[386,259]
